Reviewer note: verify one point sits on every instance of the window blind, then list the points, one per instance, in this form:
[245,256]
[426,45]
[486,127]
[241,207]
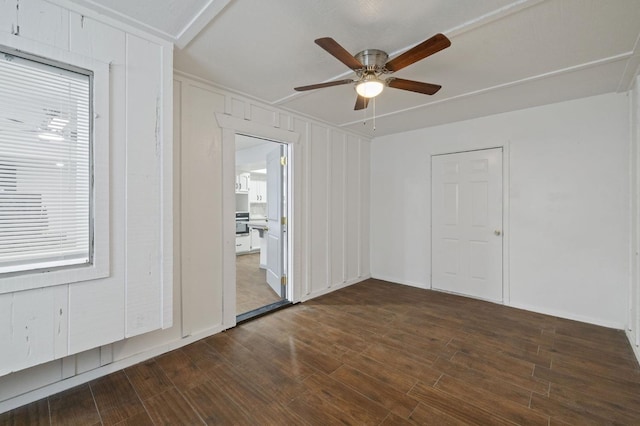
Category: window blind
[45,165]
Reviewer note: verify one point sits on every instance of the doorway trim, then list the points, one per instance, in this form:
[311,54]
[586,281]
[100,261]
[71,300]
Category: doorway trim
[506,229]
[231,126]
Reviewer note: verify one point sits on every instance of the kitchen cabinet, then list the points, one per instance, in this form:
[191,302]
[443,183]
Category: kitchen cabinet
[242,182]
[243,243]
[257,191]
[255,240]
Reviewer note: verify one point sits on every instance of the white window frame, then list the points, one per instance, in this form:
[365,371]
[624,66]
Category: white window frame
[99,267]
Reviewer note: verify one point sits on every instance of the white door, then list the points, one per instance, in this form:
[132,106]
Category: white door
[274,220]
[466,215]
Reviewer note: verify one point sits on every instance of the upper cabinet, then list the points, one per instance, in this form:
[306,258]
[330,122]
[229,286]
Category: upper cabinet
[257,190]
[242,182]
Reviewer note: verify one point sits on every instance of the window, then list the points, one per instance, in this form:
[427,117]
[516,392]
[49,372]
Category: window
[54,166]
[45,165]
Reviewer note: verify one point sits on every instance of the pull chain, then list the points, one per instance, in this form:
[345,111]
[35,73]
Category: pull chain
[374,114]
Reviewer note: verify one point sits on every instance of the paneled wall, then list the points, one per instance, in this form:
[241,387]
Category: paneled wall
[329,197]
[44,328]
[330,226]
[633,329]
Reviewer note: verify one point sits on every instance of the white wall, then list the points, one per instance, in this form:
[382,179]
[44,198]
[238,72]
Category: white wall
[567,231]
[69,327]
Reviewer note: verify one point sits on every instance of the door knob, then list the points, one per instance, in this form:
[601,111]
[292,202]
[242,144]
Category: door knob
[497,232]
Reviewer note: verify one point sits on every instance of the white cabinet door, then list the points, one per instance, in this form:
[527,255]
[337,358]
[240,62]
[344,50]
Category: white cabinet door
[255,239]
[466,212]
[242,182]
[243,243]
[257,191]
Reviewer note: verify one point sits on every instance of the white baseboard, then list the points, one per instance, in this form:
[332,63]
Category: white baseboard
[333,288]
[569,316]
[43,392]
[394,280]
[634,346]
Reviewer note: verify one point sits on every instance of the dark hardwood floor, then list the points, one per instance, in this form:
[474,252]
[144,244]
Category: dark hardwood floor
[373,353]
[252,290]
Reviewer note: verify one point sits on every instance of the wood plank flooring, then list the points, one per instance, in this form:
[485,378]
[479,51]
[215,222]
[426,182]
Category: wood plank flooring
[374,353]
[252,290]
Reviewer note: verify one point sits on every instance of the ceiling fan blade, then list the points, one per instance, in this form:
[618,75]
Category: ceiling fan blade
[421,51]
[361,103]
[321,85]
[413,86]
[339,52]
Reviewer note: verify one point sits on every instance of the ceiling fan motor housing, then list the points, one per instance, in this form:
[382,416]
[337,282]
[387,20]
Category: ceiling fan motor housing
[372,59]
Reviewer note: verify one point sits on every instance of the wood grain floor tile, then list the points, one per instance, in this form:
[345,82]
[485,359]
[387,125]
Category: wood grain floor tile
[75,406]
[170,408]
[318,410]
[148,379]
[395,401]
[495,404]
[389,376]
[347,399]
[481,380]
[36,414]
[114,393]
[428,415]
[372,353]
[214,406]
[407,363]
[454,407]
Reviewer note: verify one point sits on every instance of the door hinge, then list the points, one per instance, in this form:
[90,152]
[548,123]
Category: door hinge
[283,280]
[283,221]
[283,161]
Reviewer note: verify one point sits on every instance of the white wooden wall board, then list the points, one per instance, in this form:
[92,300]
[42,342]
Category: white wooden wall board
[307,210]
[87,360]
[164,130]
[328,290]
[19,383]
[27,329]
[61,321]
[318,207]
[201,189]
[96,314]
[178,309]
[262,115]
[8,16]
[102,302]
[352,226]
[144,145]
[299,188]
[365,191]
[44,22]
[228,233]
[106,355]
[107,20]
[67,367]
[338,166]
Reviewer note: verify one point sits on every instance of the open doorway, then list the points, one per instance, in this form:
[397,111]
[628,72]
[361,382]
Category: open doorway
[262,174]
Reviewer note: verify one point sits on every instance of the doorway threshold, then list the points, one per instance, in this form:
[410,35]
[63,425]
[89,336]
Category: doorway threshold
[267,309]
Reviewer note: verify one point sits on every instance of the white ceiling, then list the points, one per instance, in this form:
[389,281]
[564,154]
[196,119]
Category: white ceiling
[505,54]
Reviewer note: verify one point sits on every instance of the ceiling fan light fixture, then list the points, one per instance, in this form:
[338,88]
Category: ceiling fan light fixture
[370,87]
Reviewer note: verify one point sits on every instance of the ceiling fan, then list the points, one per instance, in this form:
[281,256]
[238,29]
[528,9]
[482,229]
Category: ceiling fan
[371,65]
